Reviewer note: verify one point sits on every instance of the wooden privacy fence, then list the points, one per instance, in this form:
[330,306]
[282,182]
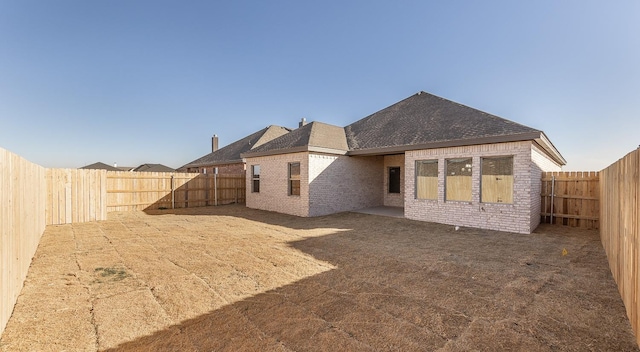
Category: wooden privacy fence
[75,195]
[22,222]
[571,198]
[33,197]
[128,191]
[620,230]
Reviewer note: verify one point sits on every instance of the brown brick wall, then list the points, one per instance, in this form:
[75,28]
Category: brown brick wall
[516,217]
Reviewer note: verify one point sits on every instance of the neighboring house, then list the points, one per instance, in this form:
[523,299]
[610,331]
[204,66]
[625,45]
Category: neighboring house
[442,161]
[141,168]
[100,166]
[153,168]
[125,168]
[228,159]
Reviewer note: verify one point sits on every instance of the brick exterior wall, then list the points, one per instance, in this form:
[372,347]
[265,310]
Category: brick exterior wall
[517,217]
[332,183]
[328,184]
[393,199]
[342,183]
[274,184]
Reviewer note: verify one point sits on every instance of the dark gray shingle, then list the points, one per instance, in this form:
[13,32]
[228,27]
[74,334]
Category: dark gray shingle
[424,118]
[153,168]
[315,134]
[100,166]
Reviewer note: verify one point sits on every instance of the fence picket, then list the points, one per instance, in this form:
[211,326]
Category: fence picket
[575,200]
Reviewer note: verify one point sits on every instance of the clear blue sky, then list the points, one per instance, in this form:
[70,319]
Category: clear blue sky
[151,81]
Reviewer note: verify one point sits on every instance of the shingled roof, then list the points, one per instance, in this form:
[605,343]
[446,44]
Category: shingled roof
[315,136]
[424,121]
[153,168]
[231,153]
[100,166]
[421,121]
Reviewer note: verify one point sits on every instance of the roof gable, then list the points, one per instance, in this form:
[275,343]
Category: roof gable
[424,119]
[231,153]
[316,136]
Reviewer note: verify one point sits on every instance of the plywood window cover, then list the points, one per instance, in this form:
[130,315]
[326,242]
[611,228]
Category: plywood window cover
[458,182]
[496,184]
[427,179]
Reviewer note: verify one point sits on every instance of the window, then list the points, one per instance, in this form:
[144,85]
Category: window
[294,179]
[255,178]
[427,179]
[394,180]
[497,180]
[458,179]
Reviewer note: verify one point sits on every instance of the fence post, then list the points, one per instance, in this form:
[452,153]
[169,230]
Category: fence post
[206,190]
[553,185]
[173,195]
[215,187]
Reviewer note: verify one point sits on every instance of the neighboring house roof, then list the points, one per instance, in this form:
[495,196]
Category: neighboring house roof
[125,168]
[315,136]
[153,168]
[421,121]
[231,153]
[100,166]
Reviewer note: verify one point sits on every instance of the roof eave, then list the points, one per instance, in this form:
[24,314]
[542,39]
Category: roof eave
[253,154]
[303,148]
[449,143]
[222,162]
[550,149]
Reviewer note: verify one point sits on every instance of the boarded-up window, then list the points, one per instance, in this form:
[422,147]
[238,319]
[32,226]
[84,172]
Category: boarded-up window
[427,179]
[458,180]
[497,180]
[255,178]
[294,179]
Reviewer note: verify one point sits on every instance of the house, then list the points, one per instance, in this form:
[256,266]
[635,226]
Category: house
[153,168]
[141,168]
[441,161]
[228,160]
[100,166]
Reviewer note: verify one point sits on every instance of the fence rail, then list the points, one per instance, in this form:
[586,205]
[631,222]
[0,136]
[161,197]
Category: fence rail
[128,191]
[620,230]
[571,198]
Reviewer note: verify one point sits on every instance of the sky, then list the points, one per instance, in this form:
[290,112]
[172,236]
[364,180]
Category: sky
[138,82]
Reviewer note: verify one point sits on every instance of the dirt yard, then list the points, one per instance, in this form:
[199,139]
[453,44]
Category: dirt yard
[234,279]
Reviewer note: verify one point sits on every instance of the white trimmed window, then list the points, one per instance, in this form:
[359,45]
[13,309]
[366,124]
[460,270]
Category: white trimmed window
[497,180]
[255,178]
[427,179]
[294,179]
[458,180]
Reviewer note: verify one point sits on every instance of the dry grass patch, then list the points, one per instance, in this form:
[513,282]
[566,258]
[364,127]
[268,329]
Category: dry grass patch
[231,278]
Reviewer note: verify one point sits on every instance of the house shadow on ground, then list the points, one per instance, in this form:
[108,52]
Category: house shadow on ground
[415,286]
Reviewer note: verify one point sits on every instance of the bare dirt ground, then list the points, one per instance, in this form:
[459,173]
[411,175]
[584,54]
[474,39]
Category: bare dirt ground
[235,279]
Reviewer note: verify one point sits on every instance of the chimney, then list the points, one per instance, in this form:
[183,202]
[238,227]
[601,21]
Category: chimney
[214,143]
[302,122]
